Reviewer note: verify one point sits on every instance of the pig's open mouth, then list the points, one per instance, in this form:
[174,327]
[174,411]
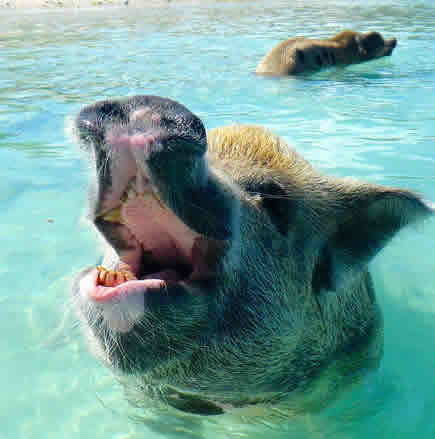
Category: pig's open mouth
[154,246]
[156,251]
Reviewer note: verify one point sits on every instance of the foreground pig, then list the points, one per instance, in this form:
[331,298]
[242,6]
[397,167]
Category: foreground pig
[235,274]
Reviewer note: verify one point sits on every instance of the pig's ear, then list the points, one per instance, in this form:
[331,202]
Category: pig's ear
[366,219]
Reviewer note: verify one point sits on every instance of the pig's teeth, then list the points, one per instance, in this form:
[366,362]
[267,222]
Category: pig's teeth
[101,275]
[110,278]
[129,275]
[113,216]
[122,266]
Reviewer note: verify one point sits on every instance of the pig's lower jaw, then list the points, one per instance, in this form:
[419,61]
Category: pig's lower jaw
[121,307]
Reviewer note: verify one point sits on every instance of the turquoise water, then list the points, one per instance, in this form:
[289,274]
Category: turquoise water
[375,121]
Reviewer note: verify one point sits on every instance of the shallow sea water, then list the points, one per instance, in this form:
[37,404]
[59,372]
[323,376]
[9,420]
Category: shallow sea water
[374,121]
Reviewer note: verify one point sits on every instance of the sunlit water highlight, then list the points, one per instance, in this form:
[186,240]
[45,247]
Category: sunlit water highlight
[374,121]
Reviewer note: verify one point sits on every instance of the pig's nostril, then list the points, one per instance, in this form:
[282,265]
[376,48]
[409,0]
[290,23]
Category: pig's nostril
[91,120]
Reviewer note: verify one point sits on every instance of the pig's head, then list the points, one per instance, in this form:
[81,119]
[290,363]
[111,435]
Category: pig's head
[235,272]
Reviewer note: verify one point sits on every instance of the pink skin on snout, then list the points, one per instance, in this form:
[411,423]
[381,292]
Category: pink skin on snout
[138,143]
[129,155]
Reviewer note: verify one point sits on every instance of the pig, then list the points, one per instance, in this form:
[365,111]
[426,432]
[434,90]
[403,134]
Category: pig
[235,275]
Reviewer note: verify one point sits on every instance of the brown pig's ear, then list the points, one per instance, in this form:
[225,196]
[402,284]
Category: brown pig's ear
[366,219]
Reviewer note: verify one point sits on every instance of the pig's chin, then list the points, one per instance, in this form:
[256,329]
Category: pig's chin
[158,255]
